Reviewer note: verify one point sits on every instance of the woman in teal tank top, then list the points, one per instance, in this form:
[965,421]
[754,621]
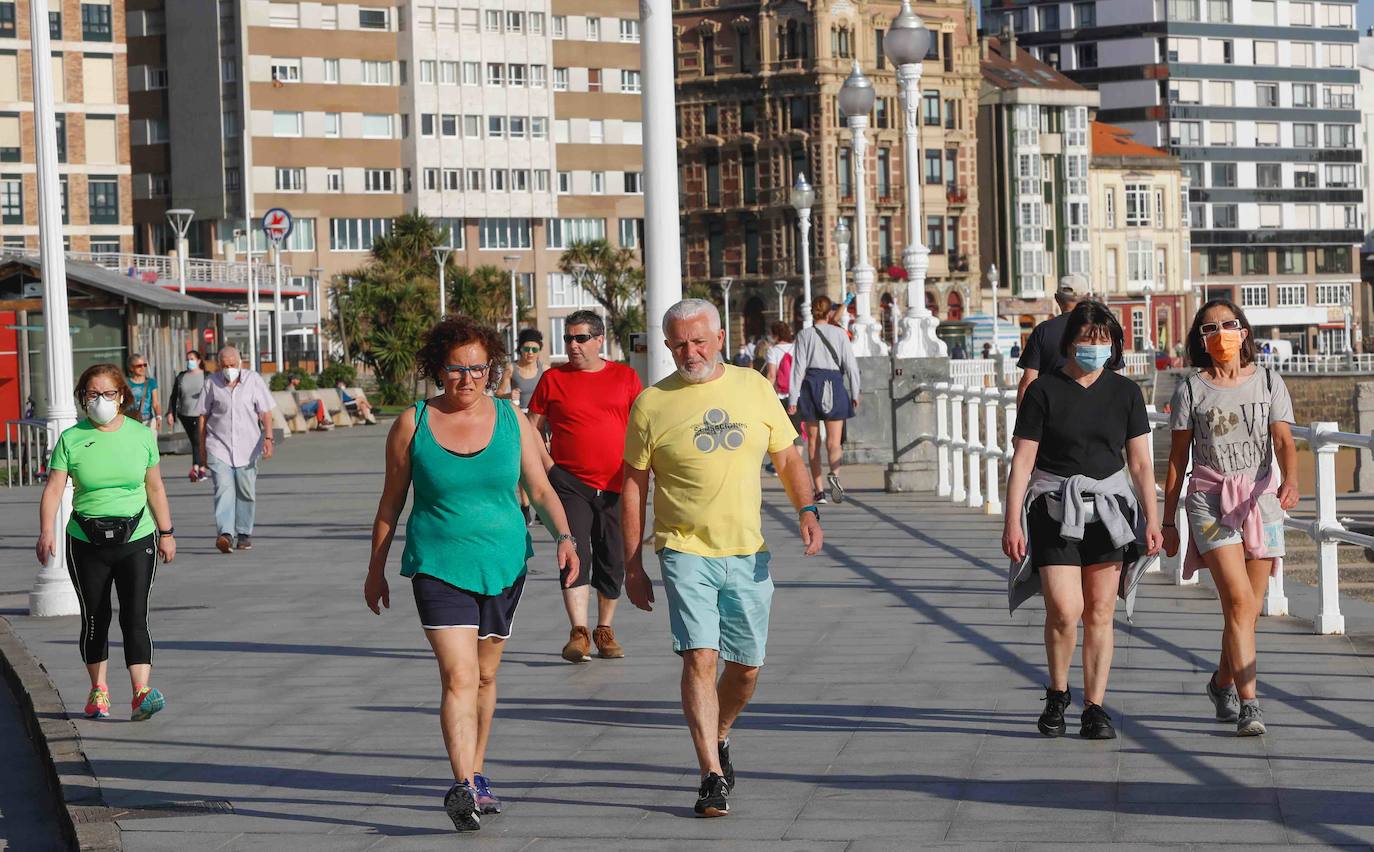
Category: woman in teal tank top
[463,454]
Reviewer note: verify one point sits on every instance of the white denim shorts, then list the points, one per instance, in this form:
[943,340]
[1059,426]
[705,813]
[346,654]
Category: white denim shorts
[1209,533]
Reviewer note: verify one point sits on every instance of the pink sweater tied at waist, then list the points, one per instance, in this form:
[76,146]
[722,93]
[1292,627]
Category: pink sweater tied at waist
[1240,495]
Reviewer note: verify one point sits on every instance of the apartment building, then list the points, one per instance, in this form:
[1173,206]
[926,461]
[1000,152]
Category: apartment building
[758,105]
[1258,100]
[90,97]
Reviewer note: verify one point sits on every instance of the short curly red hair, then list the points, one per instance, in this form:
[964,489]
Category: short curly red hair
[459,331]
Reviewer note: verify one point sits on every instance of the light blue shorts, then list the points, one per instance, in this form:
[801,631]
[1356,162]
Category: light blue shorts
[720,603]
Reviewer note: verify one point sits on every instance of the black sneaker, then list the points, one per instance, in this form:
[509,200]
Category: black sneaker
[461,806]
[245,542]
[1097,725]
[818,499]
[726,767]
[1051,722]
[712,798]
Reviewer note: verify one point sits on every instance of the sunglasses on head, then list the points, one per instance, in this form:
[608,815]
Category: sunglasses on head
[580,338]
[1210,328]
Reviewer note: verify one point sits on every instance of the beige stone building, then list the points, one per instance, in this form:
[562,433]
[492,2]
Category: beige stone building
[1140,238]
[757,105]
[90,97]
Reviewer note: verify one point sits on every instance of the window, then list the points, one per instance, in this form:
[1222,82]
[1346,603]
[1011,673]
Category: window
[560,79]
[1292,295]
[515,75]
[496,180]
[379,180]
[7,28]
[1266,134]
[596,131]
[331,70]
[1340,176]
[11,200]
[559,26]
[634,183]
[427,123]
[377,126]
[629,30]
[1263,12]
[1221,93]
[286,123]
[356,234]
[1189,134]
[593,29]
[1254,295]
[286,70]
[1337,15]
[1292,261]
[1219,11]
[96,22]
[103,197]
[1139,263]
[1224,175]
[471,74]
[1304,176]
[930,108]
[564,183]
[495,73]
[231,178]
[97,76]
[1304,135]
[472,127]
[492,21]
[1270,216]
[562,233]
[1300,14]
[431,179]
[1086,55]
[517,124]
[515,22]
[448,124]
[373,19]
[290,180]
[1340,55]
[1254,261]
[376,73]
[1085,15]
[1267,55]
[10,146]
[1331,294]
[102,142]
[1225,216]
[1137,205]
[629,232]
[1221,133]
[539,76]
[1268,175]
[503,233]
[1333,260]
[1184,10]
[329,17]
[629,82]
[496,126]
[1302,54]
[537,23]
[1338,97]
[1339,135]
[593,79]
[333,125]
[1304,95]
[1185,91]
[598,183]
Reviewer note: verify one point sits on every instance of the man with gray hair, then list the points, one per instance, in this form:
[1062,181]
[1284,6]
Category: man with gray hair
[586,404]
[235,412]
[1041,354]
[703,431]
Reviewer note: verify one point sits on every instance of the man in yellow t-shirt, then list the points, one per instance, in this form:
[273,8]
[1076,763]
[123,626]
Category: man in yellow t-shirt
[703,432]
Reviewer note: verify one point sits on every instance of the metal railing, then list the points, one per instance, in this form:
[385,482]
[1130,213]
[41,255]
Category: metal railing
[982,372]
[162,270]
[973,441]
[1353,363]
[26,452]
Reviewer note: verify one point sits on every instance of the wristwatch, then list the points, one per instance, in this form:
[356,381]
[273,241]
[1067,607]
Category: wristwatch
[813,509]
[167,532]
[562,537]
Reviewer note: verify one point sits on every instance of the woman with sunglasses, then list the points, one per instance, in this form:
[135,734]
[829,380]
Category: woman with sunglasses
[1232,418]
[120,524]
[527,369]
[144,403]
[463,452]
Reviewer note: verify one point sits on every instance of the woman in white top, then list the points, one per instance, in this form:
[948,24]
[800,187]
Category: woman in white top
[824,387]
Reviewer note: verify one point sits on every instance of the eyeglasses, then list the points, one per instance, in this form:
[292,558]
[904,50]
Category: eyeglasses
[477,371]
[136,366]
[580,338]
[1210,328]
[529,348]
[92,396]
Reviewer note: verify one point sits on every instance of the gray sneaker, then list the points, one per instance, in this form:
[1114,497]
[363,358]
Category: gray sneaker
[1251,723]
[1226,701]
[836,489]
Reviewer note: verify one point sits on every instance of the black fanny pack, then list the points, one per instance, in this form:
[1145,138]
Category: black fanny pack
[107,531]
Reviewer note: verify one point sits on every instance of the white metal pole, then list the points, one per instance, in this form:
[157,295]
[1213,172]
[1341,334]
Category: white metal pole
[319,322]
[867,339]
[443,303]
[662,251]
[725,285]
[916,259]
[844,280]
[514,313]
[993,279]
[52,592]
[278,353]
[804,222]
[182,244]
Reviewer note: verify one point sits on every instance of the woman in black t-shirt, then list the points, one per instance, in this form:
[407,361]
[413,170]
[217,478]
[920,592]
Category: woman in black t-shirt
[1070,536]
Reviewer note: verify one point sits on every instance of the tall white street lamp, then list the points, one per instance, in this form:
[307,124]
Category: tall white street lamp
[856,99]
[906,43]
[725,285]
[1148,289]
[842,236]
[780,285]
[512,261]
[278,351]
[662,222]
[803,196]
[441,254]
[996,321]
[52,592]
[315,274]
[180,220]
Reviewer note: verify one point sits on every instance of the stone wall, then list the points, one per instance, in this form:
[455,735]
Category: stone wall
[1325,398]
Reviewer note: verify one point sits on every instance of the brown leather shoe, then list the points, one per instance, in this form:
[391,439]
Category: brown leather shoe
[606,646]
[579,647]
[224,543]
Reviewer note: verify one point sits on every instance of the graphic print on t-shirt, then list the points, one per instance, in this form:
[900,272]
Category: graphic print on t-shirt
[1233,439]
[717,430]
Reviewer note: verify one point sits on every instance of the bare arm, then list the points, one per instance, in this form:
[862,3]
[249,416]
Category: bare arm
[796,480]
[1180,441]
[634,494]
[394,490]
[1018,480]
[1028,375]
[267,442]
[537,421]
[162,513]
[1287,453]
[1142,470]
[535,480]
[200,438]
[48,505]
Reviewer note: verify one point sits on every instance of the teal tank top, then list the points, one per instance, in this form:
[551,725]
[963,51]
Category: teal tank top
[465,525]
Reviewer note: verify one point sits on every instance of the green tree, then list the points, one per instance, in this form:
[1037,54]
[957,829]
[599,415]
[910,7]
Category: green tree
[615,279]
[483,293]
[387,315]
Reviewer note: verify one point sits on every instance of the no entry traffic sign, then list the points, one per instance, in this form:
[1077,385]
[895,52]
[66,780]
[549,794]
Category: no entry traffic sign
[277,224]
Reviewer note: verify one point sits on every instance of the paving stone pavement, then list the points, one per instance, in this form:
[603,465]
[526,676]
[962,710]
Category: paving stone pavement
[897,709]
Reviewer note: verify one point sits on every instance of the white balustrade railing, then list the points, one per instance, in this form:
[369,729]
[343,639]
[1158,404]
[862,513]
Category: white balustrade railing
[26,452]
[971,466]
[973,372]
[163,270]
[1353,363]
[982,372]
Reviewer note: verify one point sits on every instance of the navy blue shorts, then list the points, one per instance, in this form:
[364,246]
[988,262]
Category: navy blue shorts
[824,397]
[443,606]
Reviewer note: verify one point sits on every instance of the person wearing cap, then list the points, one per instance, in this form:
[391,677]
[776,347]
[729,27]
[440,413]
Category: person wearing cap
[1042,354]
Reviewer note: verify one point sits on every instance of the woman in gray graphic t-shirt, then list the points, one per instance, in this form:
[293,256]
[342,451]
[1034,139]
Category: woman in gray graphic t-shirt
[1232,419]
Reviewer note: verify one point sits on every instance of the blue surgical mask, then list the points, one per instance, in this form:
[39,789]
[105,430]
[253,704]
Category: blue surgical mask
[1092,356]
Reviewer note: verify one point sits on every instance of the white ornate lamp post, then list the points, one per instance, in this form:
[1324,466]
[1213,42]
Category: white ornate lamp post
[441,254]
[842,248]
[180,220]
[1148,289]
[906,43]
[781,286]
[725,285]
[512,261]
[316,275]
[856,99]
[803,196]
[996,323]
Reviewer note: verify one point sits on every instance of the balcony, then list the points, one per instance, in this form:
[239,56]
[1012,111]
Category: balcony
[956,194]
[161,270]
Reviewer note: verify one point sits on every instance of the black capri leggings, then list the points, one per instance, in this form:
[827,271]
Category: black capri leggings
[192,427]
[130,568]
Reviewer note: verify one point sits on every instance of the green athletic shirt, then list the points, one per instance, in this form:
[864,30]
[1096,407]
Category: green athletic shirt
[107,471]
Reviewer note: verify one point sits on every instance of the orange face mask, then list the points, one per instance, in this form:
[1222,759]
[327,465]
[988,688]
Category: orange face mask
[1224,346]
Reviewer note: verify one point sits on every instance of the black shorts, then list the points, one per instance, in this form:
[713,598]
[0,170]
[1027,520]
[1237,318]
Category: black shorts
[442,606]
[594,520]
[1048,547]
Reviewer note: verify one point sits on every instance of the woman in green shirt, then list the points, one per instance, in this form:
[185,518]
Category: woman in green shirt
[464,453]
[120,524]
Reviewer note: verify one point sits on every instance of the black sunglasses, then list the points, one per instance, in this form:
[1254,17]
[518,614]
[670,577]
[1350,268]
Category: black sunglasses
[580,338]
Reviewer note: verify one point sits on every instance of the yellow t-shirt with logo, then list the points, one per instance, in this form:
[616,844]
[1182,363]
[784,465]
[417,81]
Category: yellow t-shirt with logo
[704,443]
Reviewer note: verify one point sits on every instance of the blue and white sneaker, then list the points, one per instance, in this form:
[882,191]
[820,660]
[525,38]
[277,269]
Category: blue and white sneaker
[487,802]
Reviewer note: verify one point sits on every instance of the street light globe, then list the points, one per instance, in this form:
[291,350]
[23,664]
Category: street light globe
[992,275]
[803,196]
[907,41]
[856,95]
[841,234]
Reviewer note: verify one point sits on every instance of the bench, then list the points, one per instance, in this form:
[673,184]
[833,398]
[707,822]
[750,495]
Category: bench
[289,411]
[334,407]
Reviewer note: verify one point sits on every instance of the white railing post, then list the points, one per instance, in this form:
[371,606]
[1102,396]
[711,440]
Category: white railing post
[956,444]
[993,446]
[942,439]
[1328,618]
[975,446]
[1275,599]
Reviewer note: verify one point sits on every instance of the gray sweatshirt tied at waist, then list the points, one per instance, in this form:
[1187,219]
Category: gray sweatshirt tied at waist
[1084,500]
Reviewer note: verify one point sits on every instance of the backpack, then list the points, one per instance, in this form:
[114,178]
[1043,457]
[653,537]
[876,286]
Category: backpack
[782,382]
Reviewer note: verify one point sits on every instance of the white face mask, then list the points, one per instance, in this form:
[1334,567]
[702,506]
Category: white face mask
[231,374]
[103,410]
[192,364]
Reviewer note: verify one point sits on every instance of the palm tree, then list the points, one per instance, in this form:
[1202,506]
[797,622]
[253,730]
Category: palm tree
[615,279]
[483,293]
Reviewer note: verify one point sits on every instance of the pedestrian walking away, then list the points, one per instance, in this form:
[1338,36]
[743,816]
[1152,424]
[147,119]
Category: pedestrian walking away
[1075,516]
[586,406]
[120,525]
[183,403]
[463,452]
[703,431]
[1231,418]
[235,433]
[143,402]
[1043,354]
[824,387]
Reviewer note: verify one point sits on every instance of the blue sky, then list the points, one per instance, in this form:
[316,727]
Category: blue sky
[1365,17]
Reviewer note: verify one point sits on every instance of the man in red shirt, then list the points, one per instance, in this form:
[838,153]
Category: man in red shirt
[586,404]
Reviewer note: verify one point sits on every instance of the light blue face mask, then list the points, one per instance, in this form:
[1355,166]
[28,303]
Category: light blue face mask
[1092,356]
